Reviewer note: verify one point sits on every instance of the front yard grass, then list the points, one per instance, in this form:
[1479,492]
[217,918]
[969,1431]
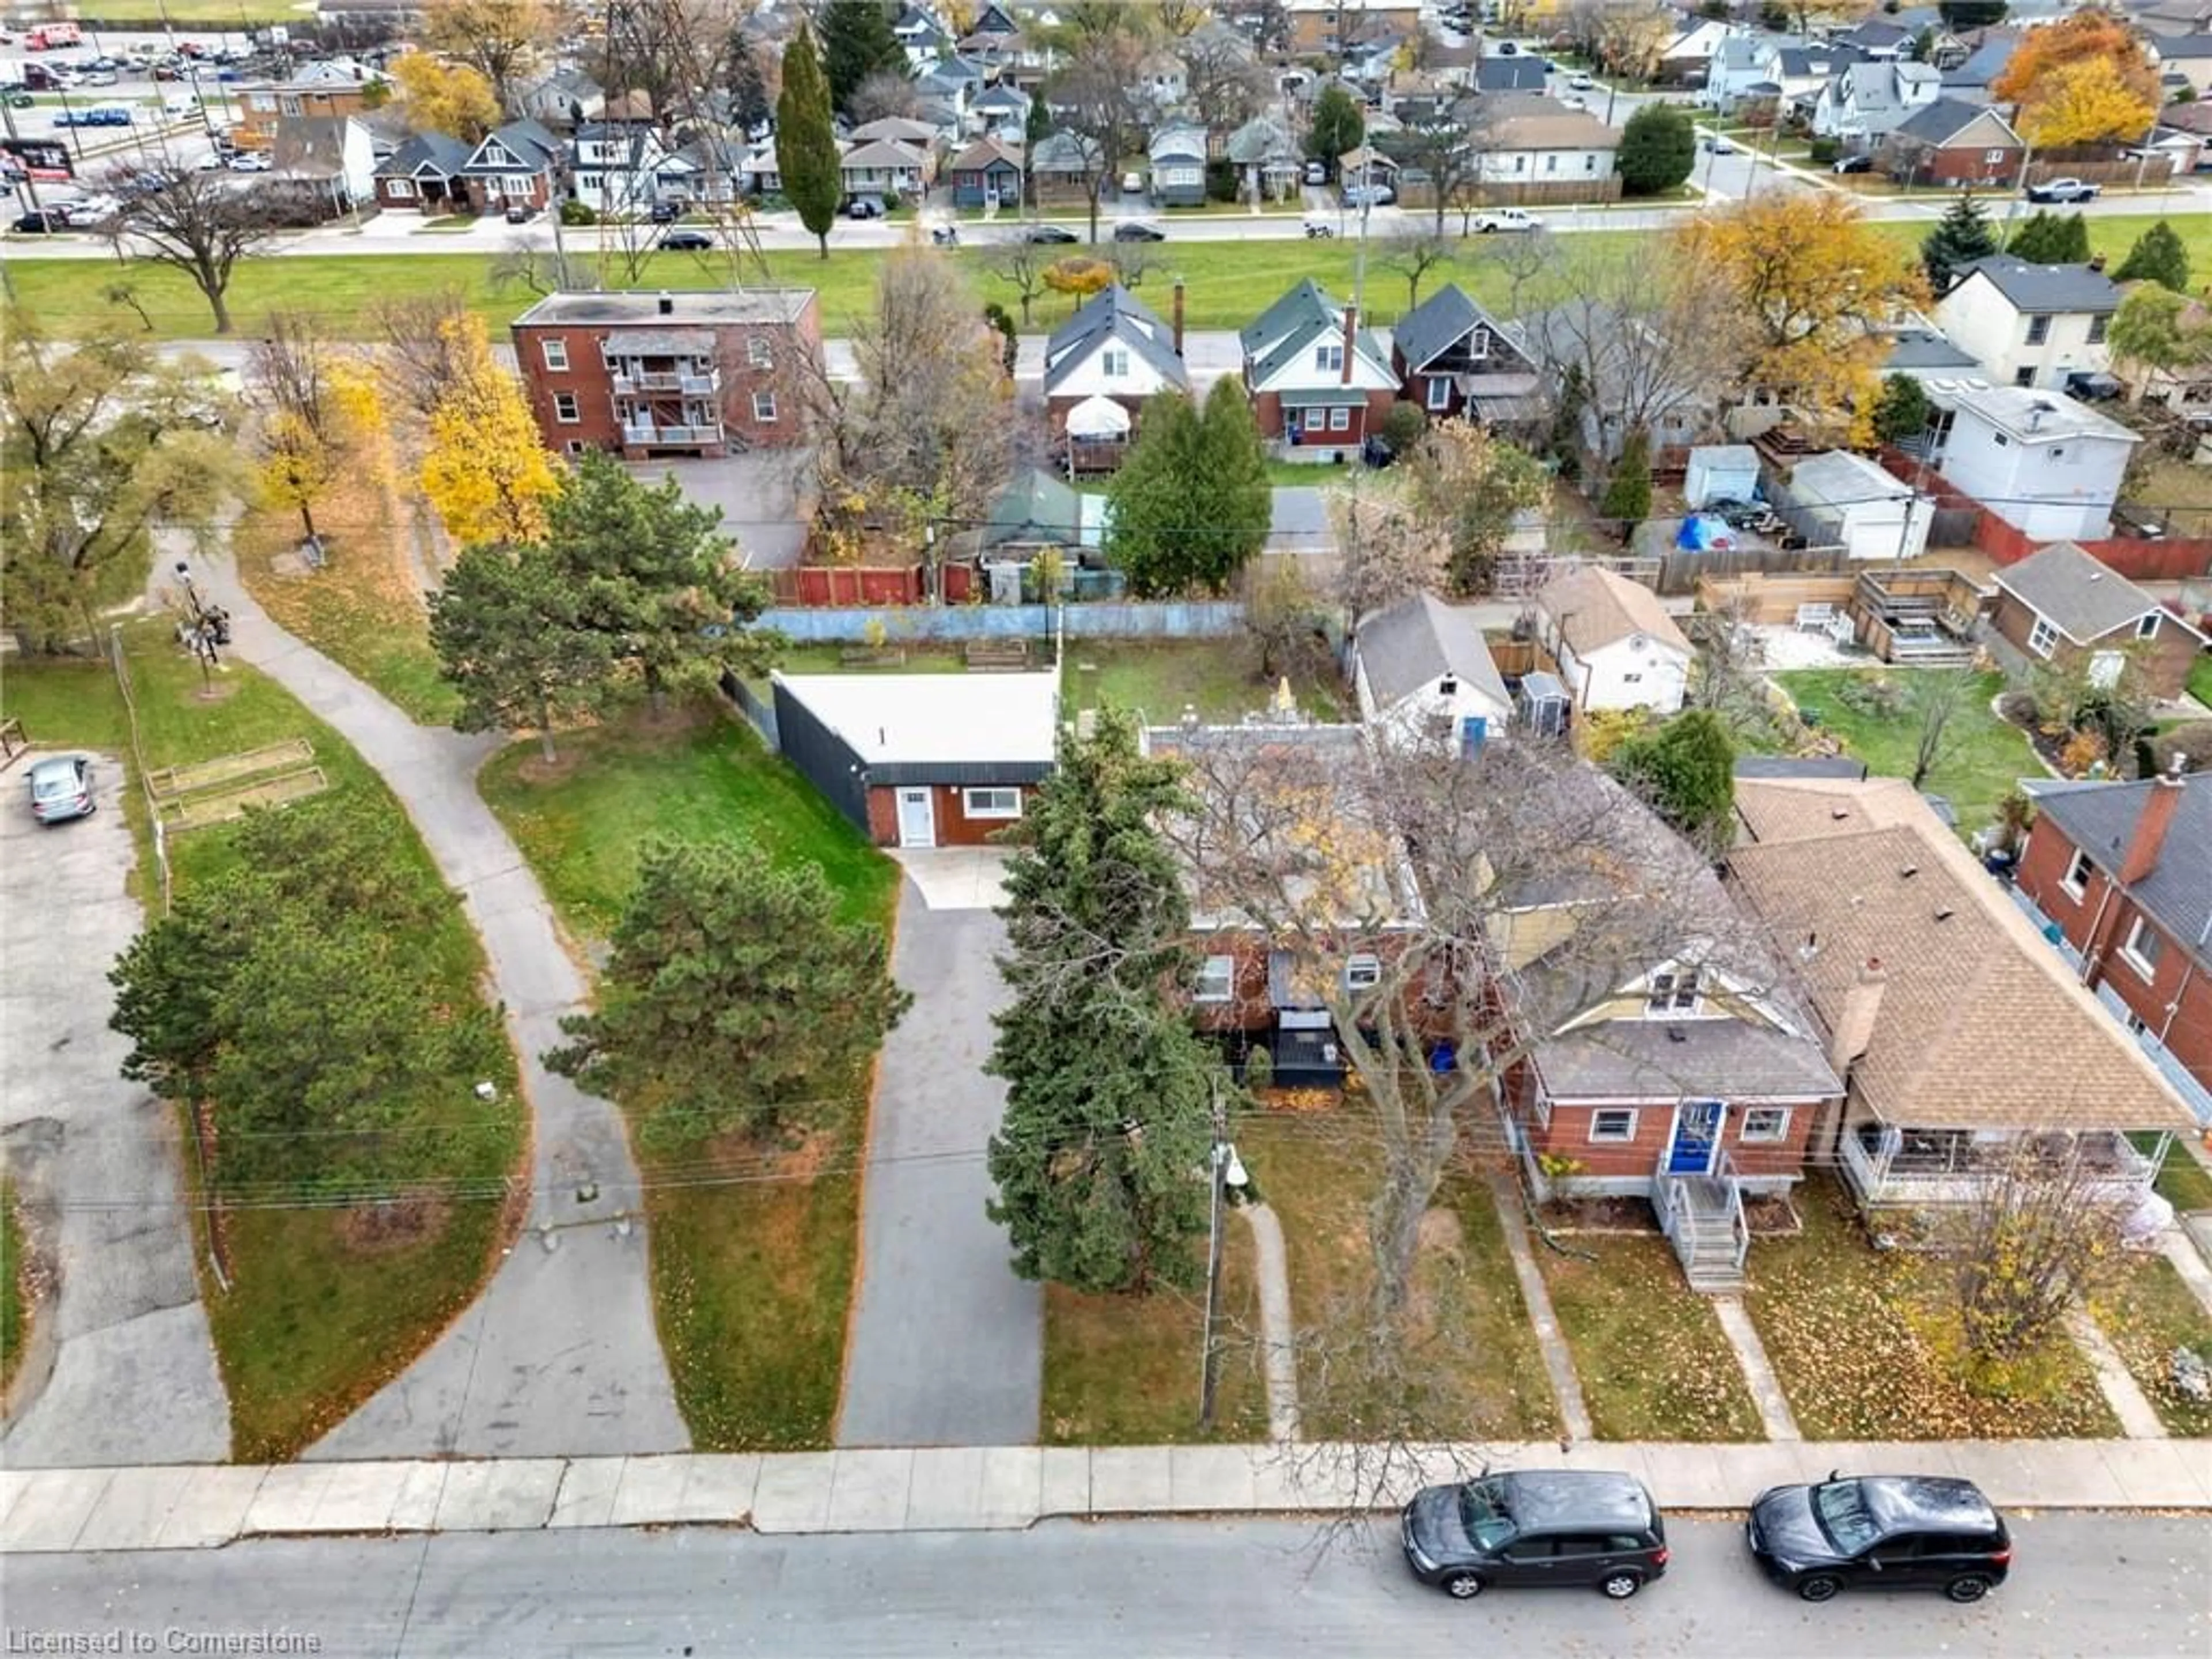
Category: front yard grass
[753,1247]
[1983,755]
[14,1298]
[1653,1361]
[1220,678]
[2183,1182]
[1472,1368]
[2200,679]
[326,1304]
[1857,1335]
[2147,1315]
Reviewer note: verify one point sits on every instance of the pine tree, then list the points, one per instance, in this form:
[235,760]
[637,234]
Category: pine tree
[2052,239]
[1903,412]
[1961,236]
[749,102]
[857,42]
[1338,124]
[1658,149]
[1228,503]
[506,629]
[1109,1090]
[2158,256]
[1687,772]
[806,144]
[1147,512]
[1628,492]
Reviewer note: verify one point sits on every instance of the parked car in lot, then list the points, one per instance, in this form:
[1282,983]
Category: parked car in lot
[1368,196]
[1890,1532]
[1052,234]
[1570,1529]
[1855,164]
[1136,230]
[2063,190]
[249,160]
[865,207]
[1505,218]
[686,241]
[40,221]
[61,788]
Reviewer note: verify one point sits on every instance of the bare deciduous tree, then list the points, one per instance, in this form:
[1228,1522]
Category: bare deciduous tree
[883,93]
[199,223]
[1936,697]
[1386,550]
[1414,252]
[1021,263]
[1529,262]
[498,38]
[1223,78]
[1100,97]
[540,269]
[418,361]
[1448,144]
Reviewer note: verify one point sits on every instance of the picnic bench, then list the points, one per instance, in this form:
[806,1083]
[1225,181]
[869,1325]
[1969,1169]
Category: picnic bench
[999,655]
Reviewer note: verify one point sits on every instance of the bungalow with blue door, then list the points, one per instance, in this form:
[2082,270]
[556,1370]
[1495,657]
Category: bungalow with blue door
[1425,676]
[987,173]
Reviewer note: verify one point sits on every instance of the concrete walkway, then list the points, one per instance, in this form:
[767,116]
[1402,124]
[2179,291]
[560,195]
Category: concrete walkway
[1774,1413]
[1279,1348]
[1558,1358]
[2138,1418]
[560,1354]
[2188,1261]
[983,1487]
[947,1345]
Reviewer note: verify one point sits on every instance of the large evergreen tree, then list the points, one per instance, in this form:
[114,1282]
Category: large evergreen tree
[2052,239]
[1902,413]
[1229,504]
[507,629]
[1685,771]
[806,154]
[748,87]
[1146,510]
[1628,492]
[1191,505]
[1338,124]
[2159,256]
[857,42]
[1096,1163]
[1658,149]
[1963,235]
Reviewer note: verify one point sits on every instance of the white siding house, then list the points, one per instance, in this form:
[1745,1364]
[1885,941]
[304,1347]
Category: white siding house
[1424,675]
[2029,325]
[2046,465]
[1616,646]
[1859,503]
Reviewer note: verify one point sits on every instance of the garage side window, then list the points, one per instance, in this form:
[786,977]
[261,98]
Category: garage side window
[991,803]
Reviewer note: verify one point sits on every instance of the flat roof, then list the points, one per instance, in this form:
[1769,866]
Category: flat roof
[605,309]
[936,719]
[2032,414]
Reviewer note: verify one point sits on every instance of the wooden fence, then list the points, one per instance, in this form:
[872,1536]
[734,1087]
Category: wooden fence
[819,584]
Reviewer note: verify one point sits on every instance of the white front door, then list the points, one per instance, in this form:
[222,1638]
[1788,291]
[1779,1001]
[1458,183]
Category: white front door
[2104,669]
[917,819]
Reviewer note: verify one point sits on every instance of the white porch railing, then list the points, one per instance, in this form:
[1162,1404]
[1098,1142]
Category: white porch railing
[1703,1217]
[1875,1178]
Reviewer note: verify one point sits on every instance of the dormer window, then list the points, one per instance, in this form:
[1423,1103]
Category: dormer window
[1673,993]
[1114,363]
[2147,625]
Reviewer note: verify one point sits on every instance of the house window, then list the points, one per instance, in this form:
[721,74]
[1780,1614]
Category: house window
[2038,329]
[1340,420]
[1613,1123]
[399,189]
[1673,993]
[1439,391]
[991,803]
[2145,945]
[2097,329]
[1362,972]
[289,105]
[1330,358]
[1113,363]
[2076,879]
[759,352]
[515,185]
[2024,376]
[1765,1123]
[2147,625]
[2042,637]
[764,407]
[1589,164]
[564,408]
[1217,980]
[556,353]
[1551,164]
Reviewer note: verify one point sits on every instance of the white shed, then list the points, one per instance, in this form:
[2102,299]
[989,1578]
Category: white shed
[1873,513]
[1721,472]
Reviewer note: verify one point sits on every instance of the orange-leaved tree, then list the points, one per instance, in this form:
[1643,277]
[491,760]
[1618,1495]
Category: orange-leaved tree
[2089,62]
[486,472]
[1814,281]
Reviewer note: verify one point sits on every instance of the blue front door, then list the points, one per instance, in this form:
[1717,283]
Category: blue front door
[1697,1132]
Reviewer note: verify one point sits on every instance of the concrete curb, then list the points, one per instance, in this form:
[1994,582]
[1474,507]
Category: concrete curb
[938,1489]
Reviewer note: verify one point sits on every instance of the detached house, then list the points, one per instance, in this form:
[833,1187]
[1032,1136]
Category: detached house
[1537,151]
[1424,675]
[518,165]
[424,175]
[1318,381]
[1176,158]
[884,167]
[1870,100]
[1453,358]
[1951,141]
[1101,367]
[2062,605]
[1062,166]
[1616,644]
[987,173]
[2046,465]
[1962,1038]
[2029,325]
[624,167]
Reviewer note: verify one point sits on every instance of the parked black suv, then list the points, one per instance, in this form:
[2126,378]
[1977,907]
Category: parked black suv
[1895,1531]
[1576,1528]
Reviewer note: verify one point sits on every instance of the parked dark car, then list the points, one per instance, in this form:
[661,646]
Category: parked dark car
[865,207]
[42,222]
[1572,1528]
[686,241]
[61,789]
[520,213]
[664,213]
[1053,233]
[1132,230]
[1855,164]
[1894,1532]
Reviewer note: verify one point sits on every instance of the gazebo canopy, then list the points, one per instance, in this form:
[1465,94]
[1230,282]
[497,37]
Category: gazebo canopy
[1097,417]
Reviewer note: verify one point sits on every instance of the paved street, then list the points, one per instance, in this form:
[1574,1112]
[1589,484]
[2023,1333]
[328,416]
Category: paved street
[2119,1587]
[946,1343]
[560,1354]
[133,1374]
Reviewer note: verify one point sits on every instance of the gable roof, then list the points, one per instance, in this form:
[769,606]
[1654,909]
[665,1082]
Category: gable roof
[903,128]
[1177,138]
[310,146]
[1942,122]
[530,144]
[1419,639]
[1526,124]
[1436,324]
[881,155]
[1981,1023]
[444,156]
[1113,313]
[1284,332]
[987,153]
[2044,288]
[2099,818]
[1065,152]
[1592,608]
[2084,598]
[1259,140]
[1036,507]
[1839,477]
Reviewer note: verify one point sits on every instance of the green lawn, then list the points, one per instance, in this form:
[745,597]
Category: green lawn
[751,1278]
[2147,1315]
[324,1308]
[1859,1341]
[2183,1182]
[918,660]
[1983,755]
[1653,1361]
[2200,679]
[15,1307]
[1220,678]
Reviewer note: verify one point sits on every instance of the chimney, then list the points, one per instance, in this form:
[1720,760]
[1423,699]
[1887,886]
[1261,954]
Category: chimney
[2096,262]
[1853,1027]
[1350,333]
[667,303]
[2156,819]
[1178,317]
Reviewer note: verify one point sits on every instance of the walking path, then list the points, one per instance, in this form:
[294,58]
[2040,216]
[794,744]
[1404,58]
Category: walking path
[1279,1351]
[1558,1358]
[968,1488]
[1774,1413]
[2138,1418]
[560,1354]
[2188,1261]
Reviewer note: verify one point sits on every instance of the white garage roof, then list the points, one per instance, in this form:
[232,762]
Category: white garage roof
[932,719]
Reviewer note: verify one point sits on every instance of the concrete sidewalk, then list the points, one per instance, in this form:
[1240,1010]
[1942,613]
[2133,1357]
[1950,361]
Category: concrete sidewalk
[942,1489]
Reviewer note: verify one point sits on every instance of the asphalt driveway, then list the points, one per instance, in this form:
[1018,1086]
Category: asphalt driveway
[947,1345]
[97,1161]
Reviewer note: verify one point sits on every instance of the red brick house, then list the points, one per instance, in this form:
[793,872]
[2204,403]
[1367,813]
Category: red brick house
[1319,382]
[518,165]
[672,373]
[2123,872]
[1951,141]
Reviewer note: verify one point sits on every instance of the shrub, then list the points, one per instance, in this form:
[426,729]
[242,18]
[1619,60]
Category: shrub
[1403,426]
[1258,1069]
[2018,708]
[575,213]
[1871,693]
[1825,150]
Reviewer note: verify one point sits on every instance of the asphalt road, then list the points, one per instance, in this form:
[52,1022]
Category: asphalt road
[2111,1586]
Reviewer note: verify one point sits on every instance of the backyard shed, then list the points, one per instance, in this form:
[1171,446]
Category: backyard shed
[1851,501]
[1721,472]
[1545,706]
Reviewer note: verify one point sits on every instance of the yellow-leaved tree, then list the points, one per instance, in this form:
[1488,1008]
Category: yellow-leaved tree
[2082,80]
[485,472]
[448,98]
[1814,281]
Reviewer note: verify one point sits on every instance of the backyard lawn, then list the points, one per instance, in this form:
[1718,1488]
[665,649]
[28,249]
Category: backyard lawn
[2183,1182]
[2200,679]
[1983,757]
[1220,678]
[15,1304]
[753,1251]
[1653,1361]
[1857,1337]
[326,1305]
[2148,1316]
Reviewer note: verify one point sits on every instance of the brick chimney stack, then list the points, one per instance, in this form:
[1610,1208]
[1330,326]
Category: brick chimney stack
[2156,819]
[1178,317]
[1855,1020]
[1350,333]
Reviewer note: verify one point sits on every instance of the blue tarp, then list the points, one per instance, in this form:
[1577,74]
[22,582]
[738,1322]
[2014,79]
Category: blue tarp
[1699,533]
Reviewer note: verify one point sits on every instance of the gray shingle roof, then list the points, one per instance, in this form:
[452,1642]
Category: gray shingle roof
[1944,119]
[2100,820]
[2083,598]
[1116,313]
[1921,348]
[1439,321]
[2045,288]
[447,156]
[1419,639]
[1719,1058]
[1295,322]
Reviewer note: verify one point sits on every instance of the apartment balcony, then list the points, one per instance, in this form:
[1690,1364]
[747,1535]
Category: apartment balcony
[649,435]
[636,383]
